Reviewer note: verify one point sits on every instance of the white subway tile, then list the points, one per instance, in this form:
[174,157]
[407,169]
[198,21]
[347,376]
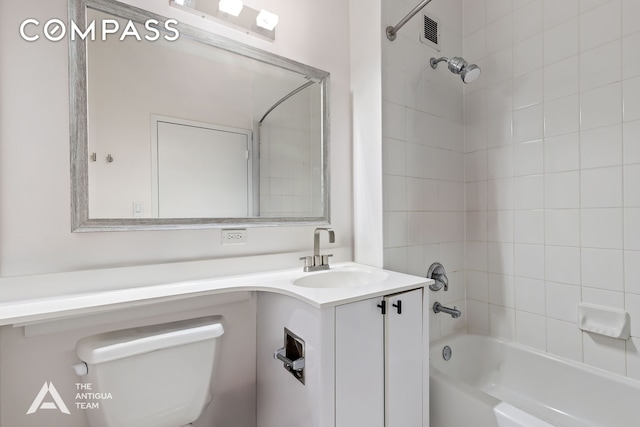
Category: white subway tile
[556,11]
[475,166]
[529,261]
[502,322]
[632,271]
[395,193]
[562,227]
[603,297]
[528,124]
[631,56]
[451,226]
[561,78]
[632,185]
[497,9]
[528,158]
[500,226]
[562,116]
[531,330]
[501,290]
[562,264]
[476,196]
[500,194]
[633,358]
[601,66]
[476,223]
[562,301]
[394,159]
[450,166]
[499,98]
[474,45]
[477,316]
[601,228]
[601,106]
[527,21]
[530,295]
[630,16]
[398,226]
[528,89]
[632,229]
[631,99]
[631,142]
[475,136]
[475,106]
[527,55]
[450,196]
[562,190]
[499,66]
[564,339]
[474,16]
[600,25]
[562,153]
[478,285]
[395,259]
[605,353]
[529,192]
[603,269]
[500,162]
[500,34]
[529,227]
[500,130]
[500,258]
[601,147]
[601,188]
[393,120]
[476,256]
[561,41]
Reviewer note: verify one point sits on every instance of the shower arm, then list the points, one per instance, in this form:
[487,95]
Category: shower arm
[392,31]
[434,62]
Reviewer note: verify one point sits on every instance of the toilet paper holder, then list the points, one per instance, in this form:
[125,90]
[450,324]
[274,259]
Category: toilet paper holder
[292,355]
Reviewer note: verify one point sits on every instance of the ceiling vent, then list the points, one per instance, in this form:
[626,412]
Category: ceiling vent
[430,34]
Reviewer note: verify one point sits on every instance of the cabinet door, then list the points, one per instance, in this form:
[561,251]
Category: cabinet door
[403,361]
[360,364]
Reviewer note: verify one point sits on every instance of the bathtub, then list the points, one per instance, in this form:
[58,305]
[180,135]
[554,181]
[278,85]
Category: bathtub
[489,382]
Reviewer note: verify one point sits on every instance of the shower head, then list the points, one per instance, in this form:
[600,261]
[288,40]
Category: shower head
[468,73]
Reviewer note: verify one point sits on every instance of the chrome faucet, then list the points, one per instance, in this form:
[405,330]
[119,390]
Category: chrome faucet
[454,312]
[317,262]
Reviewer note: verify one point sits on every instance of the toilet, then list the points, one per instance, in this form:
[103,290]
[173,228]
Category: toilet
[152,376]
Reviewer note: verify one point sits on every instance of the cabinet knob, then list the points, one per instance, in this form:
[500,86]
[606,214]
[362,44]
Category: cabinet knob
[398,306]
[383,306]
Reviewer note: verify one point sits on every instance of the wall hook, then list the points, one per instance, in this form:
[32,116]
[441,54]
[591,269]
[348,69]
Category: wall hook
[93,157]
[109,158]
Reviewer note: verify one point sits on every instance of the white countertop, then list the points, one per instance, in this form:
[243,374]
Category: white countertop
[33,299]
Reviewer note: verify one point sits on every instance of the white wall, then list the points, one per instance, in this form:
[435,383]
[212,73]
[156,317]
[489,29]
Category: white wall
[34,146]
[553,172]
[422,154]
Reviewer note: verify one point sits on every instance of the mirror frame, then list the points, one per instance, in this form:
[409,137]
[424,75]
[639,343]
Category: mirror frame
[78,113]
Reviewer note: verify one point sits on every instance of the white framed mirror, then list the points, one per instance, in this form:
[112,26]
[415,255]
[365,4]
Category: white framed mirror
[197,132]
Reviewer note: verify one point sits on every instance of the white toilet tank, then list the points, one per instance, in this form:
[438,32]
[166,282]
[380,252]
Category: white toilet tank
[157,376]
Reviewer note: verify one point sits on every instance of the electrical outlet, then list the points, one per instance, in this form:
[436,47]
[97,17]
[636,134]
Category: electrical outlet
[236,236]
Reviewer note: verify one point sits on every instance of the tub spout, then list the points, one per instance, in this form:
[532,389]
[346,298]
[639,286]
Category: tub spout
[454,312]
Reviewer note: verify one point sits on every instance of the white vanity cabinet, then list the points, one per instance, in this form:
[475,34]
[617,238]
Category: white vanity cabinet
[379,362]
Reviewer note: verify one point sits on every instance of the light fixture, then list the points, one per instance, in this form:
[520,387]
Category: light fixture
[267,20]
[231,7]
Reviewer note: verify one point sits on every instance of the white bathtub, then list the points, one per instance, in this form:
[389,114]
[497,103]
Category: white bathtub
[489,382]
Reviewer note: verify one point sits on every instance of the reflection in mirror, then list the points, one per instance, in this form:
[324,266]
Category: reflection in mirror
[197,132]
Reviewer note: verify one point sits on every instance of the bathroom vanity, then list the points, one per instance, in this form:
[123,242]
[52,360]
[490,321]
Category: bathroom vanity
[362,333]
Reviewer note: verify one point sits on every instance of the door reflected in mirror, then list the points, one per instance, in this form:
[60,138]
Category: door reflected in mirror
[201,131]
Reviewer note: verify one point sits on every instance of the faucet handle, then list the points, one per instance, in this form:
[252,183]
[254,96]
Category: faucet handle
[308,261]
[325,259]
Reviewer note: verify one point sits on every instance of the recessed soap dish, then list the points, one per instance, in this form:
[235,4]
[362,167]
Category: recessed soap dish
[607,321]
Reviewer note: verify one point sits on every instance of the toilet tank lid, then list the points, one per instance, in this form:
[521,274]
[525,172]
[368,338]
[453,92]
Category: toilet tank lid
[119,344]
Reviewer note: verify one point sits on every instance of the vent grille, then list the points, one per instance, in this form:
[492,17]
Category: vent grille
[430,34]
[430,30]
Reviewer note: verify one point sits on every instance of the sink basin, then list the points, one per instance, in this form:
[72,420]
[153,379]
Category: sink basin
[340,278]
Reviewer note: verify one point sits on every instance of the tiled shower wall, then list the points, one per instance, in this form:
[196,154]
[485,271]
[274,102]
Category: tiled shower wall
[423,153]
[552,171]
